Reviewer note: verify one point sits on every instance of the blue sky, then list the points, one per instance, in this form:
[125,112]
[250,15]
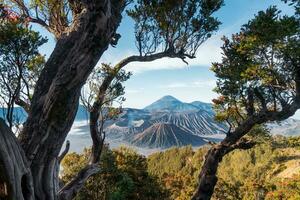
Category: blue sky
[151,81]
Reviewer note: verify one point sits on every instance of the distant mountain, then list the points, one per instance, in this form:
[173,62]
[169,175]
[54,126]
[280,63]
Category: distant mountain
[166,119]
[129,123]
[165,135]
[171,104]
[202,105]
[200,122]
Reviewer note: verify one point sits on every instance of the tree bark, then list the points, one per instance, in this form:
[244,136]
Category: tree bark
[57,92]
[15,176]
[208,176]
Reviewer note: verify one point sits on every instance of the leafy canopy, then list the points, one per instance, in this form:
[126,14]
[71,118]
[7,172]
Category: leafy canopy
[123,176]
[20,62]
[175,26]
[258,71]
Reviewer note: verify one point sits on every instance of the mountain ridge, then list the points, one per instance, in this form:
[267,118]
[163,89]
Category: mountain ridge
[187,121]
[165,135]
[197,121]
[170,103]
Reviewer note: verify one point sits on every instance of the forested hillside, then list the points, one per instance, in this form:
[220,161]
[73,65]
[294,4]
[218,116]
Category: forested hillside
[271,170]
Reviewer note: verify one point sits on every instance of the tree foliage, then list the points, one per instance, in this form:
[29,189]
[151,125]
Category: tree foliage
[177,27]
[55,16]
[98,98]
[172,174]
[258,81]
[123,176]
[20,65]
[114,92]
[259,67]
[243,174]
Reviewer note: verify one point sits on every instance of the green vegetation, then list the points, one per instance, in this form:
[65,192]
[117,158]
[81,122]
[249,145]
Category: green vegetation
[123,175]
[20,65]
[257,82]
[270,170]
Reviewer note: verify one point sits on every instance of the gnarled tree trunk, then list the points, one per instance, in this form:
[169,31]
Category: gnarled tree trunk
[208,176]
[15,176]
[56,97]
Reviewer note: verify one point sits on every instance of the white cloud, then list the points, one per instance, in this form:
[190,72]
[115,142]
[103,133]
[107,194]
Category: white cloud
[164,63]
[205,83]
[209,51]
[210,83]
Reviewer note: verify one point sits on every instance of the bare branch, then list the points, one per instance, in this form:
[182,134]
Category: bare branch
[149,58]
[26,13]
[70,190]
